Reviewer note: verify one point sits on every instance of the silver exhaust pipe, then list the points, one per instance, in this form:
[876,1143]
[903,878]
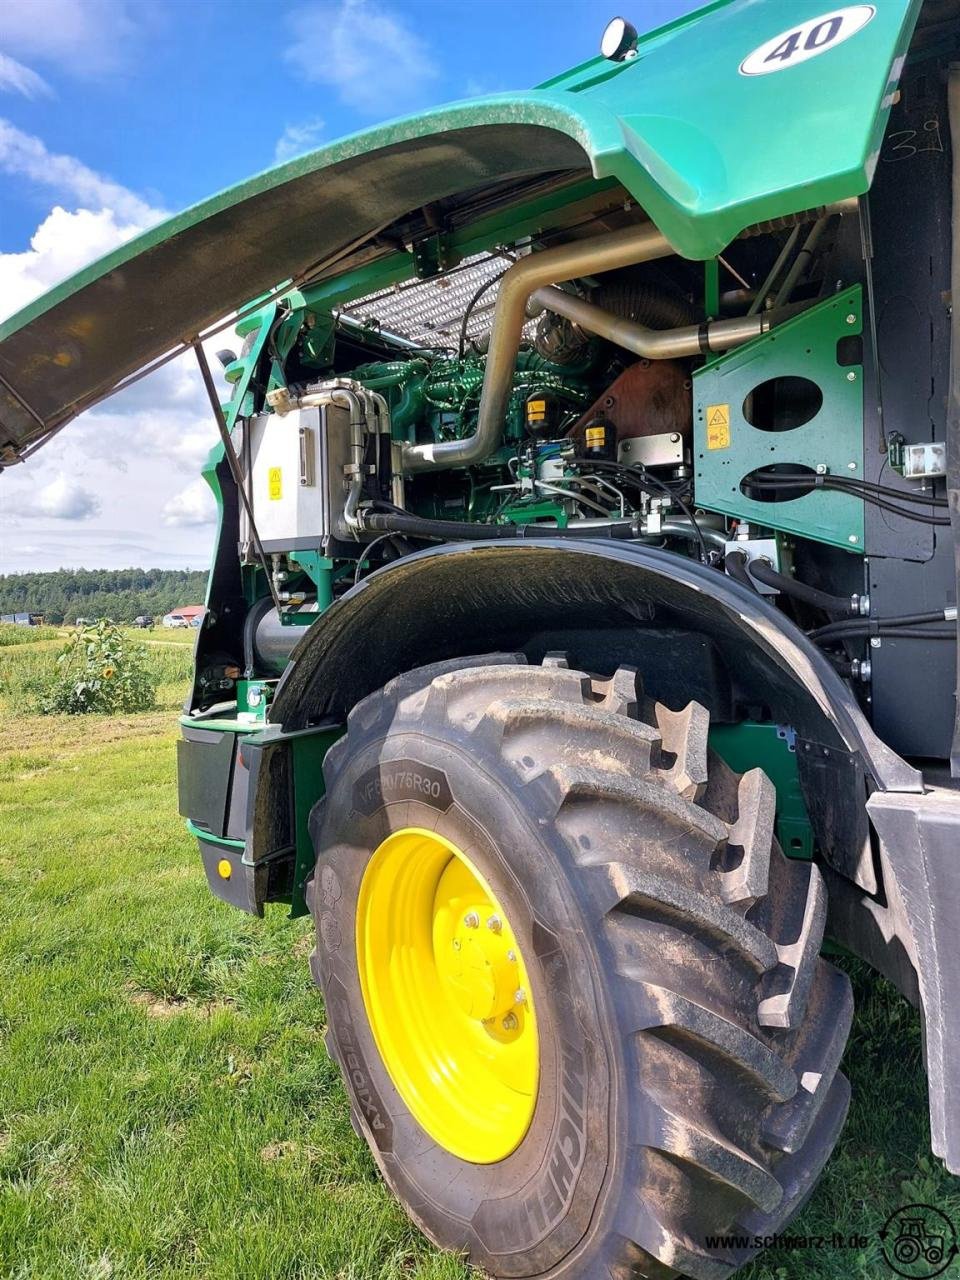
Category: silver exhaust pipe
[601,253]
[565,262]
[654,344]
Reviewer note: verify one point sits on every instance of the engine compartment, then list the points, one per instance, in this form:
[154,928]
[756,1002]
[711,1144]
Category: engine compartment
[583,381]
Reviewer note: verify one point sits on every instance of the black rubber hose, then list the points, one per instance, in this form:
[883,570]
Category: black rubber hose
[807,485]
[461,530]
[736,566]
[764,572]
[842,666]
[873,626]
[891,633]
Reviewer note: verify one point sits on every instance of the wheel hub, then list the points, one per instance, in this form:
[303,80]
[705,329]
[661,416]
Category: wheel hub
[447,995]
[479,967]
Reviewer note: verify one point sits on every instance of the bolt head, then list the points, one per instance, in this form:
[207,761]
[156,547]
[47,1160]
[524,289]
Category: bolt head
[853,538]
[821,468]
[519,996]
[510,1022]
[456,944]
[494,924]
[471,920]
[512,956]
[851,319]
[851,466]
[874,642]
[851,376]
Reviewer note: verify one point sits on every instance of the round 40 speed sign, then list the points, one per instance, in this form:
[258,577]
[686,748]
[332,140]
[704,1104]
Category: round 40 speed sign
[807,40]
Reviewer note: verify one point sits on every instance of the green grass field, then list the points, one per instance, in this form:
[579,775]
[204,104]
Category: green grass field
[166,1105]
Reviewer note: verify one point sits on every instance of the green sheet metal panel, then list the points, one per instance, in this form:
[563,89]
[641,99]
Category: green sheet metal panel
[705,149]
[770,747]
[728,448]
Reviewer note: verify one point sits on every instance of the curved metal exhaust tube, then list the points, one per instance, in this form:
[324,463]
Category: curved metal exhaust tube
[594,255]
[654,344]
[565,262]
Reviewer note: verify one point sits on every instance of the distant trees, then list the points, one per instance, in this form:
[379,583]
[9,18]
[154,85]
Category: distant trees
[120,594]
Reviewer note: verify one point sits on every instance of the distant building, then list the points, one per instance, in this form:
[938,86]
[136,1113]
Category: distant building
[187,615]
[21,619]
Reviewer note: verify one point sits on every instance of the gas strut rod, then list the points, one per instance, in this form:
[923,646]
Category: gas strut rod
[233,462]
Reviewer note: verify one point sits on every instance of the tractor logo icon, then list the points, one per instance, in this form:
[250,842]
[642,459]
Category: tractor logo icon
[919,1242]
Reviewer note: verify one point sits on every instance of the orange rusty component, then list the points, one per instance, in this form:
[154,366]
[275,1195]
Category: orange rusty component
[649,397]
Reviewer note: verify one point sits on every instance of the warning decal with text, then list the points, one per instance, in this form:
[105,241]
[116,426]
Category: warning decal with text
[718,426]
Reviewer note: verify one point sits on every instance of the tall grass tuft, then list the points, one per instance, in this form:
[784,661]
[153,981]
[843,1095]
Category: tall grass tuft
[30,672]
[97,670]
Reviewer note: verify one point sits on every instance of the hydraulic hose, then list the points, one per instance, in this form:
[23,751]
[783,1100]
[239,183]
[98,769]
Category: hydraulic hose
[764,572]
[875,626]
[893,633]
[736,566]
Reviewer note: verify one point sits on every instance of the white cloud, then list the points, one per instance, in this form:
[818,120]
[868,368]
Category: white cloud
[63,499]
[178,438]
[16,78]
[371,57]
[298,138]
[88,38]
[24,155]
[192,506]
[119,472]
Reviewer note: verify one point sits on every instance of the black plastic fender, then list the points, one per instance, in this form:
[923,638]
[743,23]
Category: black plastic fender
[613,600]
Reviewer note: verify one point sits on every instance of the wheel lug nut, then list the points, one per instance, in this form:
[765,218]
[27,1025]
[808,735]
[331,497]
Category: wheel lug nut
[471,920]
[494,924]
[509,1023]
[519,996]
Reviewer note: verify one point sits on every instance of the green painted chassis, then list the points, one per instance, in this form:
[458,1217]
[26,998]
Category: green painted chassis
[743,746]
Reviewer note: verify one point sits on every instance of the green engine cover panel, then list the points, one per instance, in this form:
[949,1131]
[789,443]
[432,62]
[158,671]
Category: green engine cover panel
[743,111]
[728,448]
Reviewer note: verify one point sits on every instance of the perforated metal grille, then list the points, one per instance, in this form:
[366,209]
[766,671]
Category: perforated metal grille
[430,312]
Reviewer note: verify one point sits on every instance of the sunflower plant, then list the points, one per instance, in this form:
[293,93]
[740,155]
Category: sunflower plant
[98,670]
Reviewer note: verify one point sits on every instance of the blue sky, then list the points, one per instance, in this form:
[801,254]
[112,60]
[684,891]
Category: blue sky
[114,113]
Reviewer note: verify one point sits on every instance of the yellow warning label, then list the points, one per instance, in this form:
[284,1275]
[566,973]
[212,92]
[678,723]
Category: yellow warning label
[718,426]
[275,483]
[596,437]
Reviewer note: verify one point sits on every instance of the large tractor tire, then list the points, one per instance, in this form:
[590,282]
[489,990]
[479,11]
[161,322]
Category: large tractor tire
[572,983]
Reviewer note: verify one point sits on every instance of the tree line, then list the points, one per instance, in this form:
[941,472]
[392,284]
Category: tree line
[119,594]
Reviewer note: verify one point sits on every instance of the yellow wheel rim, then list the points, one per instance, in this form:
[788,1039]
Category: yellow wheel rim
[447,996]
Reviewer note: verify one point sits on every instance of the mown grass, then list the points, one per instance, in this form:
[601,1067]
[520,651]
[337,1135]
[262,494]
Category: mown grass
[167,1109]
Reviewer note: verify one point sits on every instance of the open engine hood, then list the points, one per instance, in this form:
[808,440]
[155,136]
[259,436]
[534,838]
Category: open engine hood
[702,142]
